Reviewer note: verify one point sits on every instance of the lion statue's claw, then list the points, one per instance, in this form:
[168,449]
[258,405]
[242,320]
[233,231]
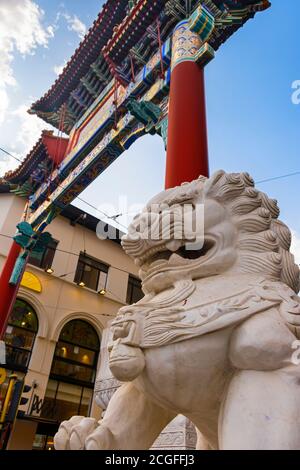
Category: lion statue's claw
[73,433]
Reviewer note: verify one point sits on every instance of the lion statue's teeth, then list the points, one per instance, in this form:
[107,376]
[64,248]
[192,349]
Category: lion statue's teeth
[173,245]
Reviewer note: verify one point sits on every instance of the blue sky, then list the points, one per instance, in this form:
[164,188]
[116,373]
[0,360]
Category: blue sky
[252,123]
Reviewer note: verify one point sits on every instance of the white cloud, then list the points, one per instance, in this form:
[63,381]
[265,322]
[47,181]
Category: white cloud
[295,247]
[29,129]
[21,31]
[59,68]
[6,163]
[76,25]
[4,101]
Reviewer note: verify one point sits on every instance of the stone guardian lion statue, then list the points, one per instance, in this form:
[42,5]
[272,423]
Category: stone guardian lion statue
[213,337]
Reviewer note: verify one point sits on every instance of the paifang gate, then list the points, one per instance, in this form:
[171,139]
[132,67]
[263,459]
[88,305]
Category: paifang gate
[139,70]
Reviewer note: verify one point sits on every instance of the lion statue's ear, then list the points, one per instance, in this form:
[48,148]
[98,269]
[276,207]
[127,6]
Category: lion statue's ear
[211,183]
[227,186]
[290,273]
[256,216]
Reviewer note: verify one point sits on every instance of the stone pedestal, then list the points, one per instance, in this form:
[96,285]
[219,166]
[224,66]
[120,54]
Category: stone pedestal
[180,434]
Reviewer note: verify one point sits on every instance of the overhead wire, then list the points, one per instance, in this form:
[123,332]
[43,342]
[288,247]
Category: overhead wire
[267,180]
[10,155]
[61,276]
[103,213]
[115,217]
[109,217]
[73,254]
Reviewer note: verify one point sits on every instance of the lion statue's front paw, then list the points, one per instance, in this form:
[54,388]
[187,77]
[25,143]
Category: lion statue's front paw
[101,439]
[72,434]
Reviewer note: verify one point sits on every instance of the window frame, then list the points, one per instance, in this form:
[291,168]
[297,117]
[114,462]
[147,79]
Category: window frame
[92,367]
[65,360]
[132,282]
[13,366]
[54,399]
[95,264]
[47,248]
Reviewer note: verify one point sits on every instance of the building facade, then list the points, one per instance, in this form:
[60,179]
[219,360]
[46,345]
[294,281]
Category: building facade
[56,337]
[69,293]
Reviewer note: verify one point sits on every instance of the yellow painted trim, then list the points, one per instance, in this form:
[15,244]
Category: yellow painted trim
[31,281]
[8,396]
[2,375]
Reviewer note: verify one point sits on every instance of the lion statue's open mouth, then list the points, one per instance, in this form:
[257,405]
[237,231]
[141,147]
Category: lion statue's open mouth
[240,232]
[169,255]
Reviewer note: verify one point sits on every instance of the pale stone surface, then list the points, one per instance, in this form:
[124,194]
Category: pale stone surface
[180,434]
[213,337]
[106,384]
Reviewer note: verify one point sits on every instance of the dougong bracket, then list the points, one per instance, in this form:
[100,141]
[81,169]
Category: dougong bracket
[145,112]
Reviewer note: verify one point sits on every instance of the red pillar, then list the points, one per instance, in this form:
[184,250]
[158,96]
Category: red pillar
[8,293]
[187,147]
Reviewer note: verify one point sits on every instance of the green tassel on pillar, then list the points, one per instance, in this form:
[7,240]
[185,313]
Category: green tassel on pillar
[18,270]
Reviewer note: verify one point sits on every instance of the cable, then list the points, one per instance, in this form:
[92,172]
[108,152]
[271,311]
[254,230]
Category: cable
[73,254]
[103,213]
[67,274]
[278,177]
[116,297]
[79,198]
[7,153]
[115,217]
[77,255]
[55,278]
[6,236]
[94,313]
[83,232]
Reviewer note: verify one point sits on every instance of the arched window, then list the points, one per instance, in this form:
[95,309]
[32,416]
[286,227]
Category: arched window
[76,353]
[20,335]
[73,373]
